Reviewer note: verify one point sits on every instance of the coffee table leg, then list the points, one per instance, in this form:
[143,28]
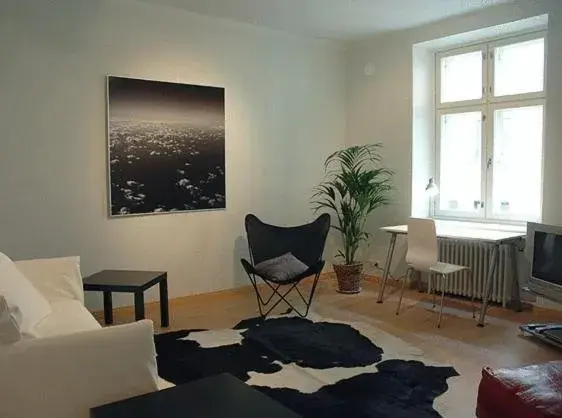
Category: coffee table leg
[164,313]
[107,308]
[139,305]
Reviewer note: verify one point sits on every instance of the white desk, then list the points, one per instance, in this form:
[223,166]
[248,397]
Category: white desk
[493,237]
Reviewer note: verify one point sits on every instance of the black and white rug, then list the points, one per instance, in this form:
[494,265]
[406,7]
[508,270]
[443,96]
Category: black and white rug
[317,368]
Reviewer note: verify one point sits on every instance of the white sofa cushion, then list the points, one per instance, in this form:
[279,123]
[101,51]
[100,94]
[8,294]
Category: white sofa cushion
[9,323]
[67,317]
[56,278]
[65,376]
[21,295]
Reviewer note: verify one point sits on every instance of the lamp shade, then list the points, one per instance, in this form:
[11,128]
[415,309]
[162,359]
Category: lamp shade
[431,189]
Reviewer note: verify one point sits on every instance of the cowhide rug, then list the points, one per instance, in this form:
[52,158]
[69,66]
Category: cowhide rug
[316,367]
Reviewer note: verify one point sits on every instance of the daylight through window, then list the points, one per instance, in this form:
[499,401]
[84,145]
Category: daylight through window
[490,123]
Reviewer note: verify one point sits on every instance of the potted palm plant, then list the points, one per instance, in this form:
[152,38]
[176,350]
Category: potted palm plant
[354,186]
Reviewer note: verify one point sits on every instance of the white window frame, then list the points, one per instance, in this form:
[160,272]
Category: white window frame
[491,67]
[490,128]
[455,214]
[487,104]
[453,52]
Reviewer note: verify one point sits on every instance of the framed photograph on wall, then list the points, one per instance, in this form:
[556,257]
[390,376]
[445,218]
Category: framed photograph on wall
[166,147]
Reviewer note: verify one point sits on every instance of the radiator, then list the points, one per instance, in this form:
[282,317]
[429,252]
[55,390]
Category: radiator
[476,256]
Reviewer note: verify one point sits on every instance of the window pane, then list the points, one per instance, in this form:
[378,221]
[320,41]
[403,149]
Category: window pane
[461,161]
[461,77]
[518,138]
[519,68]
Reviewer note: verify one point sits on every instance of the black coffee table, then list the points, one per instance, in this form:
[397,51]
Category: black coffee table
[221,396]
[129,281]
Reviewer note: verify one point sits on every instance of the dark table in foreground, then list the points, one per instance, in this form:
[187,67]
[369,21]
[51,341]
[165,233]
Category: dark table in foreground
[221,396]
[129,281]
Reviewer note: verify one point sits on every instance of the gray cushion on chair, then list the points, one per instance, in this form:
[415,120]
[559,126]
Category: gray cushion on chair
[281,269]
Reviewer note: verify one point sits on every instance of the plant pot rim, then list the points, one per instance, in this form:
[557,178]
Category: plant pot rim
[358,263]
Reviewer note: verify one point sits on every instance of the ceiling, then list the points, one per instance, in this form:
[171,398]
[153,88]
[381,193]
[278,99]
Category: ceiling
[334,19]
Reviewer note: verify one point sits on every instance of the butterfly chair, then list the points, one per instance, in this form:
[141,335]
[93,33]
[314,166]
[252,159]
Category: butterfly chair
[422,256]
[282,257]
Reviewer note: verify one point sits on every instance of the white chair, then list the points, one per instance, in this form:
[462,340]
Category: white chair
[422,256]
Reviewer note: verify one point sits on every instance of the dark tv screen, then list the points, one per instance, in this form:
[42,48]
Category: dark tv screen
[547,257]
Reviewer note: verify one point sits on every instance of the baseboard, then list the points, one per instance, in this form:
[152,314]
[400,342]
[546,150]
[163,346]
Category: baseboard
[156,303]
[542,302]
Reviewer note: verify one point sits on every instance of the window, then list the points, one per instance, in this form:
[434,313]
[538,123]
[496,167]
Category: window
[489,123]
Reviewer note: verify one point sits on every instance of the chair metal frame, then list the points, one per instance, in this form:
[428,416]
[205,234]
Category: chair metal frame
[266,305]
[434,292]
[282,296]
[427,260]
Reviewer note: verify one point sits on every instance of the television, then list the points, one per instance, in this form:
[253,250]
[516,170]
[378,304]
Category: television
[544,251]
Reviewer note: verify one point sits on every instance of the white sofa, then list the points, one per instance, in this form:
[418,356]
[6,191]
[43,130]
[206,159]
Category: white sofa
[68,363]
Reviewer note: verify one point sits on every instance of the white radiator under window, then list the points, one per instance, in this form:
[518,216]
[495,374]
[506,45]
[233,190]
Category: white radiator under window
[476,256]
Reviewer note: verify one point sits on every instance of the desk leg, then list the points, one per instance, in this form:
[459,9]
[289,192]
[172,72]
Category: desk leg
[488,284]
[107,308]
[139,305]
[164,314]
[387,264]
[515,302]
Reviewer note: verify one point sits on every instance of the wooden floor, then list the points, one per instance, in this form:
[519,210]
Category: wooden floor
[458,342]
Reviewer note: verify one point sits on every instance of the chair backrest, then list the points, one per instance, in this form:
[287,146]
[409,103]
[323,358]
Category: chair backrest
[422,244]
[306,242]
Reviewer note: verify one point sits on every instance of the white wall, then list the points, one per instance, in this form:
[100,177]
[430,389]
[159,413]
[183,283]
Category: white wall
[285,105]
[380,106]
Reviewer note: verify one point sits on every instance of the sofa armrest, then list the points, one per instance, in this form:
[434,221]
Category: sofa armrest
[65,376]
[56,278]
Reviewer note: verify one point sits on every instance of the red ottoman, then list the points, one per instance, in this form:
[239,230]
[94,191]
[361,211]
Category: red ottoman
[524,392]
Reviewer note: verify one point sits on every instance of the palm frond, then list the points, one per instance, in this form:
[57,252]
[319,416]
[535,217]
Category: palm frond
[354,186]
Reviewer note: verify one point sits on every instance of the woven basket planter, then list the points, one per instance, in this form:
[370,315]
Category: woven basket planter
[349,277]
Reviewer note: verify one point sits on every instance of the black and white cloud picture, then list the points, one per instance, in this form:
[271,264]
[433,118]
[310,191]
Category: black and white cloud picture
[166,147]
